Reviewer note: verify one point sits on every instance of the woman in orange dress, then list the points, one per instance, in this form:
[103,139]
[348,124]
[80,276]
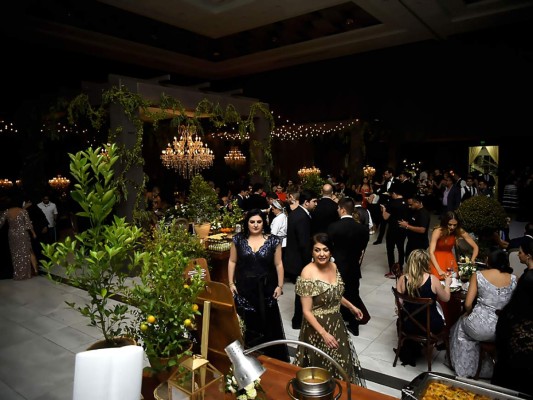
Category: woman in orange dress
[441,249]
[365,189]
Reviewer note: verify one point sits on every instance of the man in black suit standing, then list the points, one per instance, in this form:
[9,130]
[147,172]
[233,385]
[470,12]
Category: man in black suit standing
[384,198]
[298,249]
[325,212]
[256,199]
[395,211]
[349,239]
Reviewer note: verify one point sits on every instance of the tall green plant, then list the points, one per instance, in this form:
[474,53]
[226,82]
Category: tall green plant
[99,259]
[202,201]
[313,182]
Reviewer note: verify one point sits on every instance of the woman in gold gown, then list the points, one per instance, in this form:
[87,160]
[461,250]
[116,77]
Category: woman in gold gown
[321,289]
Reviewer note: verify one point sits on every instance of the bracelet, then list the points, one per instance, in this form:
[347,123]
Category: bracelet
[232,284]
[281,287]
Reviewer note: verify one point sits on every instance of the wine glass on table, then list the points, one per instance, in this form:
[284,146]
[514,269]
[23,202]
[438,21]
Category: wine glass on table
[451,271]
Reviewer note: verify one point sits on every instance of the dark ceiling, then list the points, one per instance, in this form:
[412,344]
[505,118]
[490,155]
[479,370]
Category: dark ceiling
[424,67]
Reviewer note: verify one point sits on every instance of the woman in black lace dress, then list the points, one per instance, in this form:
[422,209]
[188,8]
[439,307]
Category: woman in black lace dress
[255,273]
[514,331]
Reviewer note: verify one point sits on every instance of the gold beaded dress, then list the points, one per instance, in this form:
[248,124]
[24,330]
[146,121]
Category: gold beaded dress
[19,243]
[326,308]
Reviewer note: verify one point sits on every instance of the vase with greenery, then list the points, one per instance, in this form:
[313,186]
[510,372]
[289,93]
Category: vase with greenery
[163,301]
[202,202]
[100,258]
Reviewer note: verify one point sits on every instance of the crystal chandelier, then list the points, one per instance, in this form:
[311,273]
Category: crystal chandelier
[188,155]
[235,158]
[59,183]
[305,172]
[6,184]
[369,171]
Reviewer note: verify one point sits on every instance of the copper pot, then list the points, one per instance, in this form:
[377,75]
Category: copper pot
[313,383]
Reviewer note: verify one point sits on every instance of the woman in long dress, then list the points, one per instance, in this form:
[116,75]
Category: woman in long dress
[255,273]
[365,188]
[514,331]
[441,245]
[19,231]
[321,289]
[493,288]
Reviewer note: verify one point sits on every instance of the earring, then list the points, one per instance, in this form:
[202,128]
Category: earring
[332,259]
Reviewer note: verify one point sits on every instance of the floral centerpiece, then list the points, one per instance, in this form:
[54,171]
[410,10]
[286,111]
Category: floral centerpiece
[249,392]
[466,268]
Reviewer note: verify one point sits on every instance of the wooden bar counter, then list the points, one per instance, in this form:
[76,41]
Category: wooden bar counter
[274,382]
[278,374]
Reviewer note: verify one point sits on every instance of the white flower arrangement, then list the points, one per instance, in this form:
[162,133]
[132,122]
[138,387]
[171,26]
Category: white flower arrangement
[250,392]
[466,267]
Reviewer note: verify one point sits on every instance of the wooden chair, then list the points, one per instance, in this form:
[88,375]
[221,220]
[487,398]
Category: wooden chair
[417,306]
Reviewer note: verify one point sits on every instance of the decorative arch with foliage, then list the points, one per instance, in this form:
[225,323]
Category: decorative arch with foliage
[134,105]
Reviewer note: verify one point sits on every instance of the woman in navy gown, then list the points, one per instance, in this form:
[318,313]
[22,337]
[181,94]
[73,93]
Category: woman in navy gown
[255,273]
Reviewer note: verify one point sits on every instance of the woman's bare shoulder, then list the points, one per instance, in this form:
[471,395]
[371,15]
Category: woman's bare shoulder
[308,271]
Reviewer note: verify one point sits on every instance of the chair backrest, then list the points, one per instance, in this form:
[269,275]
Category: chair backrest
[413,310]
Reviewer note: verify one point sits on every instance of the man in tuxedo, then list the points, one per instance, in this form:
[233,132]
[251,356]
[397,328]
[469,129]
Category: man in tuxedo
[394,212]
[469,190]
[384,197]
[325,212]
[349,239]
[298,249]
[242,196]
[257,199]
[488,178]
[408,187]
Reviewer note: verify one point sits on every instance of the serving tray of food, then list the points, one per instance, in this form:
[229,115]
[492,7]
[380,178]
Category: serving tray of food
[434,385]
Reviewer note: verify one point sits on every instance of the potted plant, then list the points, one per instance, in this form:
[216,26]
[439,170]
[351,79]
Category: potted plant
[202,205]
[164,300]
[98,259]
[482,216]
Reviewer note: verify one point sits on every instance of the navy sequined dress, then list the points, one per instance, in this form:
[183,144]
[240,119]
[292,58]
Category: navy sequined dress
[256,279]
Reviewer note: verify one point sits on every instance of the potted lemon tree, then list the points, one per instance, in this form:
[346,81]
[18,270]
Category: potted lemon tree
[100,258]
[163,297]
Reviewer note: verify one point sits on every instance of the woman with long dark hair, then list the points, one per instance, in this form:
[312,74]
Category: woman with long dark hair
[492,288]
[255,274]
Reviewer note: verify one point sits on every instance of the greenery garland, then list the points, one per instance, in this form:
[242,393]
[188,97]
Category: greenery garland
[133,105]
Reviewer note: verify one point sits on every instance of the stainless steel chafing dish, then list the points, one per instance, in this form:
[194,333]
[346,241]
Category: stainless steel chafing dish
[416,388]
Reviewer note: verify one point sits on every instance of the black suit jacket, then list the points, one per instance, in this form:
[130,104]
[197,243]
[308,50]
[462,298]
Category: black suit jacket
[298,249]
[324,214]
[349,239]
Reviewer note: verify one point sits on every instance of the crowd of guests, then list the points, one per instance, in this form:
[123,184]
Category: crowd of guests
[332,229]
[318,240]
